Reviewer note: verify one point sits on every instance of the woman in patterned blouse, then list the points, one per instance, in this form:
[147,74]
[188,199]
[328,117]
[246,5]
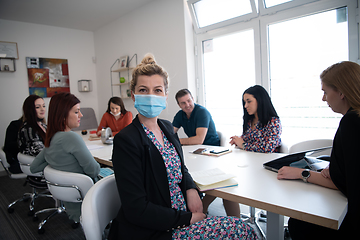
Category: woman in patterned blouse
[159,199]
[261,127]
[31,135]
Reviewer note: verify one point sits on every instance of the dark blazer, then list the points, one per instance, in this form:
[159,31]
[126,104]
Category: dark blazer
[344,167]
[142,182]
[11,145]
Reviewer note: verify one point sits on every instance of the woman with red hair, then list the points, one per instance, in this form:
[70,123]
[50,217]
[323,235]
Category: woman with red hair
[64,149]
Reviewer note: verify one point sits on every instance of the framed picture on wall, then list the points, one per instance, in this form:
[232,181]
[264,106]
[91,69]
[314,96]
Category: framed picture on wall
[124,62]
[47,76]
[9,50]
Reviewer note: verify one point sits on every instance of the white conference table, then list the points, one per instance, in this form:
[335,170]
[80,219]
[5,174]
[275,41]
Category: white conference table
[100,151]
[259,187]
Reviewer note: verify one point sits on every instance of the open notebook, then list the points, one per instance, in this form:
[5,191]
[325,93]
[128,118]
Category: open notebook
[213,179]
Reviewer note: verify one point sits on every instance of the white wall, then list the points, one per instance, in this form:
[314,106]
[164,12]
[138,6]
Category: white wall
[36,40]
[158,28]
[162,27]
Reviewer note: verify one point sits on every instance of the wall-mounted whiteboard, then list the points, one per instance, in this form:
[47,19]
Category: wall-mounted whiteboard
[9,50]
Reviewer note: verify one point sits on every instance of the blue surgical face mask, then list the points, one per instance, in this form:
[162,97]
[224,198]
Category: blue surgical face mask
[149,106]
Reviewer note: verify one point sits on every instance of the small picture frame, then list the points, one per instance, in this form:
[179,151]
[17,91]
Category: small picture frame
[124,62]
[9,50]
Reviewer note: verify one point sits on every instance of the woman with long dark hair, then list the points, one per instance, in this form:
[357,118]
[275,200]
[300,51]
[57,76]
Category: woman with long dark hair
[261,126]
[31,134]
[116,116]
[65,150]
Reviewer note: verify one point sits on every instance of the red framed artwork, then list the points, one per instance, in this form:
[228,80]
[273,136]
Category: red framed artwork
[47,76]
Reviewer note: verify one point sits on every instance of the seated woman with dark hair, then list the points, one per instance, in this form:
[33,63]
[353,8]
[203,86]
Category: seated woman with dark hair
[64,149]
[261,126]
[116,116]
[261,131]
[32,132]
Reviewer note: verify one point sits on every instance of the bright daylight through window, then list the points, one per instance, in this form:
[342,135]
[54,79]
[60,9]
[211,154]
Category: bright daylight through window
[297,58]
[225,9]
[286,55]
[229,68]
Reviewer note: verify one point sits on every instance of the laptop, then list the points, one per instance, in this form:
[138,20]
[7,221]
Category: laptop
[300,160]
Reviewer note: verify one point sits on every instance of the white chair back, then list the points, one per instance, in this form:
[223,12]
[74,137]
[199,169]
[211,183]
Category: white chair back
[25,161]
[284,147]
[3,159]
[100,206]
[67,186]
[223,140]
[312,144]
[6,166]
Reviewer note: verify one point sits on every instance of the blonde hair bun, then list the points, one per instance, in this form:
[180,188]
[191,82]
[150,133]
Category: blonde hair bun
[149,67]
[148,59]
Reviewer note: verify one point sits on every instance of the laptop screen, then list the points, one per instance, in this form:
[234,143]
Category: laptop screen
[276,164]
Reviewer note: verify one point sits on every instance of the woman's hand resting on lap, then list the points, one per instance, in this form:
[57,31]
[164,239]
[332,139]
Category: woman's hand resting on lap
[196,217]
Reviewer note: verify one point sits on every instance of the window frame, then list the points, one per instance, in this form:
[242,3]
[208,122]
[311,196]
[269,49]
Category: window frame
[242,18]
[200,84]
[260,27]
[281,7]
[302,12]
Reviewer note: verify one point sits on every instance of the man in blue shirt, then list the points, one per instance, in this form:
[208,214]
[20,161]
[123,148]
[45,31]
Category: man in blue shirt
[196,121]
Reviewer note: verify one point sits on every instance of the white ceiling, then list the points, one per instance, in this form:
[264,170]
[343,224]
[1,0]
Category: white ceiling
[86,15]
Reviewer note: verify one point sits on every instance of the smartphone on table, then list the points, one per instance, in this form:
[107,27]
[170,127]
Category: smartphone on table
[199,150]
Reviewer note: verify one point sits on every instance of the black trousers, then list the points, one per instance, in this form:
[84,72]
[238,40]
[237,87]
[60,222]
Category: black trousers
[303,230]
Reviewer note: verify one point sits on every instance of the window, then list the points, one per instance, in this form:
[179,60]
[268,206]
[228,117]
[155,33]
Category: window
[271,3]
[285,52]
[296,59]
[211,14]
[273,6]
[224,10]
[229,67]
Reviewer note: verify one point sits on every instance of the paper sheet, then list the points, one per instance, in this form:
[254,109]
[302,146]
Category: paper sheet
[93,147]
[211,176]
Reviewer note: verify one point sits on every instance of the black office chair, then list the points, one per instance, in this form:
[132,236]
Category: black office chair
[35,180]
[6,166]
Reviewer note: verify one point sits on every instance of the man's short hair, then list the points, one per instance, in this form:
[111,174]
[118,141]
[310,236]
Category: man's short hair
[182,93]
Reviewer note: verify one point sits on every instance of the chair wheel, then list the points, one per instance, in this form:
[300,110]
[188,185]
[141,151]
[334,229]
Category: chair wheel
[35,218]
[75,225]
[31,213]
[286,233]
[11,210]
[41,231]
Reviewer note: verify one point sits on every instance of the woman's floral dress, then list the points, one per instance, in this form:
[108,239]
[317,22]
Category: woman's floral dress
[209,228]
[264,139]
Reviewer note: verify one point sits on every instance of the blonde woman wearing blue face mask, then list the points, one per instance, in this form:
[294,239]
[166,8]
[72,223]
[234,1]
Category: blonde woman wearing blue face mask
[159,199]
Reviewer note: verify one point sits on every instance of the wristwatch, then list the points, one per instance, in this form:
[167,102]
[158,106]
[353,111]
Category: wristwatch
[305,175]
